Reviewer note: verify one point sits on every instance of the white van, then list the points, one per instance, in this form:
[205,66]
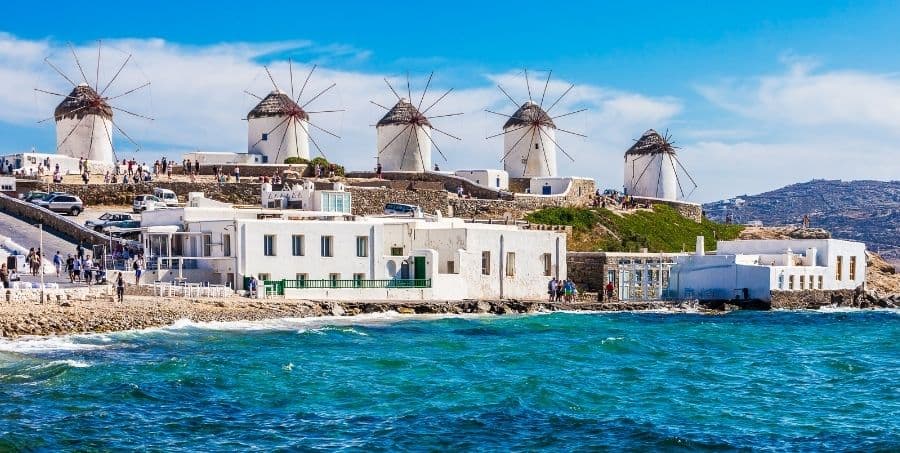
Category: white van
[402,209]
[166,196]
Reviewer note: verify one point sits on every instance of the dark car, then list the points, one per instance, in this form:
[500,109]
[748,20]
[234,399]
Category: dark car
[110,219]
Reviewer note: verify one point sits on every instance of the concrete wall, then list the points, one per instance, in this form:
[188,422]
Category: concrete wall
[67,227]
[496,179]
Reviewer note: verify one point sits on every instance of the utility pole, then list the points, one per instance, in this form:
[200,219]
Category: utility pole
[41,258]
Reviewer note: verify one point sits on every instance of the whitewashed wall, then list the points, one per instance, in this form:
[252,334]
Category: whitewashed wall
[494,179]
[651,175]
[295,135]
[411,151]
[529,158]
[91,138]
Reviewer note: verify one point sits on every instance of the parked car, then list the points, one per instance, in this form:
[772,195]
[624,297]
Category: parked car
[147,203]
[64,203]
[401,209]
[33,195]
[167,196]
[113,219]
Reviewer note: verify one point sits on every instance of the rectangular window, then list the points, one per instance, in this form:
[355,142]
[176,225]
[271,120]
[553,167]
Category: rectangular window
[485,263]
[362,246]
[333,278]
[812,281]
[451,267]
[802,281]
[263,277]
[510,264]
[839,269]
[396,251]
[207,245]
[852,268]
[358,279]
[301,277]
[269,245]
[265,137]
[297,245]
[326,246]
[547,260]
[821,281]
[226,245]
[791,282]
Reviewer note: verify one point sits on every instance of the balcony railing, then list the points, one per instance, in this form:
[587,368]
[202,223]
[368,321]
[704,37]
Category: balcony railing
[277,287]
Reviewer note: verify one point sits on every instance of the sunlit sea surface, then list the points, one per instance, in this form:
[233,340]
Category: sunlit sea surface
[562,381]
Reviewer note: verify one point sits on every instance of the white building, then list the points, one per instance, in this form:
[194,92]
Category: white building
[751,269]
[529,143]
[224,158]
[404,139]
[493,179]
[29,164]
[338,256]
[278,128]
[306,197]
[650,168]
[84,126]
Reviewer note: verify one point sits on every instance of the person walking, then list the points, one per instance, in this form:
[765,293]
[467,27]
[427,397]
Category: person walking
[70,268]
[76,270]
[57,263]
[551,289]
[120,288]
[87,270]
[609,291]
[253,287]
[378,170]
[79,251]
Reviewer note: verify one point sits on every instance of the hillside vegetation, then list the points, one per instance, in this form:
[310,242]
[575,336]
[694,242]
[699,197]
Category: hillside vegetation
[662,229]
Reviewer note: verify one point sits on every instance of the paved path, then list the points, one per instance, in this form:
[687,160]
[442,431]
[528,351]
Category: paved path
[28,235]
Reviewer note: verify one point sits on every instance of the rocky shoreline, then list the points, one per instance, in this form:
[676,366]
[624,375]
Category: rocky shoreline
[100,314]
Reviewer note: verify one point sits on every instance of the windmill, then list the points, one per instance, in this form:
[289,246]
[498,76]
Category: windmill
[84,117]
[650,168]
[406,134]
[529,135]
[279,125]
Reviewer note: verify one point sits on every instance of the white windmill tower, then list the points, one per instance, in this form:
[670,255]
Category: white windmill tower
[84,118]
[279,126]
[529,136]
[650,168]
[405,134]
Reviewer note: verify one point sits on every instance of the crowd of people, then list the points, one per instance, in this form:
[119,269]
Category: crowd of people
[562,290]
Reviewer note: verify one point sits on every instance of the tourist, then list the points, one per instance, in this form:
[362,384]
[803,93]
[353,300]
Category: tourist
[253,288]
[58,263]
[436,168]
[609,291]
[79,251]
[560,290]
[87,269]
[137,266]
[70,268]
[551,289]
[85,177]
[196,166]
[805,220]
[81,166]
[106,177]
[169,172]
[76,270]
[120,288]
[4,275]
[164,164]
[237,174]
[378,170]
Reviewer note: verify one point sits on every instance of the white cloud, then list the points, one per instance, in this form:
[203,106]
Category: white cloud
[197,99]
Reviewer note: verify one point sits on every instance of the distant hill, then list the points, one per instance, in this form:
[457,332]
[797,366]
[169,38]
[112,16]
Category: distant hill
[867,211]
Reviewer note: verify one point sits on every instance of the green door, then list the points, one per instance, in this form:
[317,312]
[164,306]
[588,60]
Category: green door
[419,269]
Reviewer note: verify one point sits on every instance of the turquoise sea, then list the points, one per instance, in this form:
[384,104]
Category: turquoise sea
[814,381]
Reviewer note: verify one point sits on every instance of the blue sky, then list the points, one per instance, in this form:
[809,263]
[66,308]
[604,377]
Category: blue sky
[758,94]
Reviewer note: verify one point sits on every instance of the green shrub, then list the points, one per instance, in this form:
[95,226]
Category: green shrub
[295,160]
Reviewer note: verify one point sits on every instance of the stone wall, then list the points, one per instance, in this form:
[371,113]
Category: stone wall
[450,183]
[586,269]
[371,200]
[123,194]
[693,211]
[814,299]
[246,169]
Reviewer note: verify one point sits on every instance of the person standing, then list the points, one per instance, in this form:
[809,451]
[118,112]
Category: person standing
[70,268]
[138,267]
[551,289]
[253,288]
[237,174]
[609,291]
[4,275]
[378,170]
[87,270]
[120,288]
[76,270]
[79,251]
[197,167]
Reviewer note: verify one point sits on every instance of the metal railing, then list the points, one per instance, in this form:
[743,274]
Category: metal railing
[278,286]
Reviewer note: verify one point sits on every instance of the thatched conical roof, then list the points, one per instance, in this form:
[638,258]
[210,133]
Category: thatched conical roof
[529,113]
[651,143]
[403,112]
[82,101]
[277,103]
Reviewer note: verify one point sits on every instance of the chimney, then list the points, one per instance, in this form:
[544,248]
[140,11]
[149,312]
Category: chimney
[812,255]
[700,247]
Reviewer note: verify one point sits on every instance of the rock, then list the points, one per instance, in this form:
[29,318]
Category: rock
[337,310]
[482,307]
[406,311]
